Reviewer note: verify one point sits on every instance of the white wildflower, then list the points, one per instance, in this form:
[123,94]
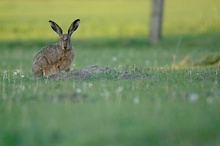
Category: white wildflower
[193,97]
[136,100]
[90,85]
[147,62]
[114,58]
[15,73]
[209,100]
[119,89]
[18,70]
[78,90]
[5,71]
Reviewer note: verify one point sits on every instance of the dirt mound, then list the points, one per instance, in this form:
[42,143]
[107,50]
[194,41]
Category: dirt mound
[98,72]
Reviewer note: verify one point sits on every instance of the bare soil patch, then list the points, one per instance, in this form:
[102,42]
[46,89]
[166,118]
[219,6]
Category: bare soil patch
[99,72]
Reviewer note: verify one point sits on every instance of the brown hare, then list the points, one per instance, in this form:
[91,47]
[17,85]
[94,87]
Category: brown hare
[54,58]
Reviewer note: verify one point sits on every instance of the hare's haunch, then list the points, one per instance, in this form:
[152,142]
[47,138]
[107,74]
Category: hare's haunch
[54,58]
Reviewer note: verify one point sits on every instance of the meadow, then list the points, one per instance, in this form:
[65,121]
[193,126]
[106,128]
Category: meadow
[178,104]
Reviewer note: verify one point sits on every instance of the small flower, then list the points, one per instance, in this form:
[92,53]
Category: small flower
[147,62]
[18,71]
[114,58]
[193,97]
[136,100]
[22,76]
[209,100]
[5,71]
[15,73]
[78,90]
[119,89]
[90,85]
[106,93]
[5,74]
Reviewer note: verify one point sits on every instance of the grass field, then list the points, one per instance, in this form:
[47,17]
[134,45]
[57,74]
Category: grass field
[179,104]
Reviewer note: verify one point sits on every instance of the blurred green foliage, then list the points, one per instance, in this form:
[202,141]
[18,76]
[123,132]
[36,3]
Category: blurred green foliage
[28,19]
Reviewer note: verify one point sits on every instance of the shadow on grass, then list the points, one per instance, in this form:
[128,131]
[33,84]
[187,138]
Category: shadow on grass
[131,42]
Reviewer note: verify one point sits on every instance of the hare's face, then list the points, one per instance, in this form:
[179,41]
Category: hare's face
[65,42]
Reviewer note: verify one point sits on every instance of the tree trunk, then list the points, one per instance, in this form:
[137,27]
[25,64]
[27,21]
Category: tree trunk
[156,20]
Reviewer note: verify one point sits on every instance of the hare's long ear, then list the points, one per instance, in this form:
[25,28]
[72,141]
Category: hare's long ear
[73,26]
[56,28]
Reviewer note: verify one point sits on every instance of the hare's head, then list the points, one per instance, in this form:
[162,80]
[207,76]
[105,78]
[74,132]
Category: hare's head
[65,39]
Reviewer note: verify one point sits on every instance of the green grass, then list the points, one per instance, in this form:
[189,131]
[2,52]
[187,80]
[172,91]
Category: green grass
[171,108]
[178,105]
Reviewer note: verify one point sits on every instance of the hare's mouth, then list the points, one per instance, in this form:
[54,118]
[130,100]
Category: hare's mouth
[65,47]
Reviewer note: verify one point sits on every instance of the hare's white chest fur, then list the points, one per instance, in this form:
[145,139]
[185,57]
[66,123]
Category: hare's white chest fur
[54,58]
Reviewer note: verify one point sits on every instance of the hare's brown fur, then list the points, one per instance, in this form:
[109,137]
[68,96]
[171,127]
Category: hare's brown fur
[57,57]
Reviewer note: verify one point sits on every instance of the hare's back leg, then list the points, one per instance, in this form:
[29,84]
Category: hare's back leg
[51,70]
[38,65]
[37,71]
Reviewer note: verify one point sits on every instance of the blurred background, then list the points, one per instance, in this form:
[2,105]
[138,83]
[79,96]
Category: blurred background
[110,27]
[106,18]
